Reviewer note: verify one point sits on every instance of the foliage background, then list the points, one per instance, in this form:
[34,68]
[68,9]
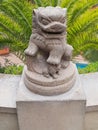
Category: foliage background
[15,24]
[82,24]
[92,67]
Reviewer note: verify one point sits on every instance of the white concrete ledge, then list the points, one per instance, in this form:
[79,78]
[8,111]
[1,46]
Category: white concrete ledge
[8,88]
[9,85]
[90,85]
[8,110]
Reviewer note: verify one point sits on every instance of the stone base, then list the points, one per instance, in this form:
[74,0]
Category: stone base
[48,86]
[8,111]
[61,112]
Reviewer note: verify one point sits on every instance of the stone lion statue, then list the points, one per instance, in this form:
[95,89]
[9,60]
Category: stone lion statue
[48,51]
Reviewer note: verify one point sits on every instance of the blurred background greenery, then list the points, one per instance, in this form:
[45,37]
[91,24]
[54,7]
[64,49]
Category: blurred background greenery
[82,25]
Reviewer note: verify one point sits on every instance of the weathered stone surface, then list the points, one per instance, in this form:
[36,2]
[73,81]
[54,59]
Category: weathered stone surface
[8,114]
[8,121]
[65,111]
[47,46]
[8,89]
[49,86]
[25,94]
[91,120]
[55,115]
[90,86]
[48,54]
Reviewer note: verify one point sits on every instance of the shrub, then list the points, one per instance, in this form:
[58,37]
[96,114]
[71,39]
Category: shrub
[14,69]
[92,67]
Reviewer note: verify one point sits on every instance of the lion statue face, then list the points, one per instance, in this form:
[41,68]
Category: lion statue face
[53,21]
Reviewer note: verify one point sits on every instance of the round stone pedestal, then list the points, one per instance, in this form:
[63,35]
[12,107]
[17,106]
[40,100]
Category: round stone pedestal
[48,86]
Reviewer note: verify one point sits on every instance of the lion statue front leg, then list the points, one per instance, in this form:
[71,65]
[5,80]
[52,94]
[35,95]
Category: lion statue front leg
[67,56]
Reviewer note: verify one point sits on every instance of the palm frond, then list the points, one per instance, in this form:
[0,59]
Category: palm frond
[21,15]
[7,29]
[5,40]
[64,3]
[54,2]
[15,23]
[39,3]
[71,4]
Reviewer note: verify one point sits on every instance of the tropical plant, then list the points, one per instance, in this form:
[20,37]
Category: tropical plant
[2,1]
[91,54]
[12,69]
[92,67]
[47,3]
[15,24]
[82,23]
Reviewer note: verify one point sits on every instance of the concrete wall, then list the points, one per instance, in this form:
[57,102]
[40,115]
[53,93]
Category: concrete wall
[90,86]
[8,89]
[8,112]
[8,121]
[91,120]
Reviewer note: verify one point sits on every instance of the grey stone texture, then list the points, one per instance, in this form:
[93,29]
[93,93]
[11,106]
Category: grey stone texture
[91,120]
[9,85]
[49,86]
[8,89]
[47,46]
[48,55]
[65,111]
[8,121]
[52,115]
[90,86]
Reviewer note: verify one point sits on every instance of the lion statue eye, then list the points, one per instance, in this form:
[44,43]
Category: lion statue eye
[45,22]
[63,20]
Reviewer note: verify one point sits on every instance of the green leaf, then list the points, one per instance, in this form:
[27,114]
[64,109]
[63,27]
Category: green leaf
[38,3]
